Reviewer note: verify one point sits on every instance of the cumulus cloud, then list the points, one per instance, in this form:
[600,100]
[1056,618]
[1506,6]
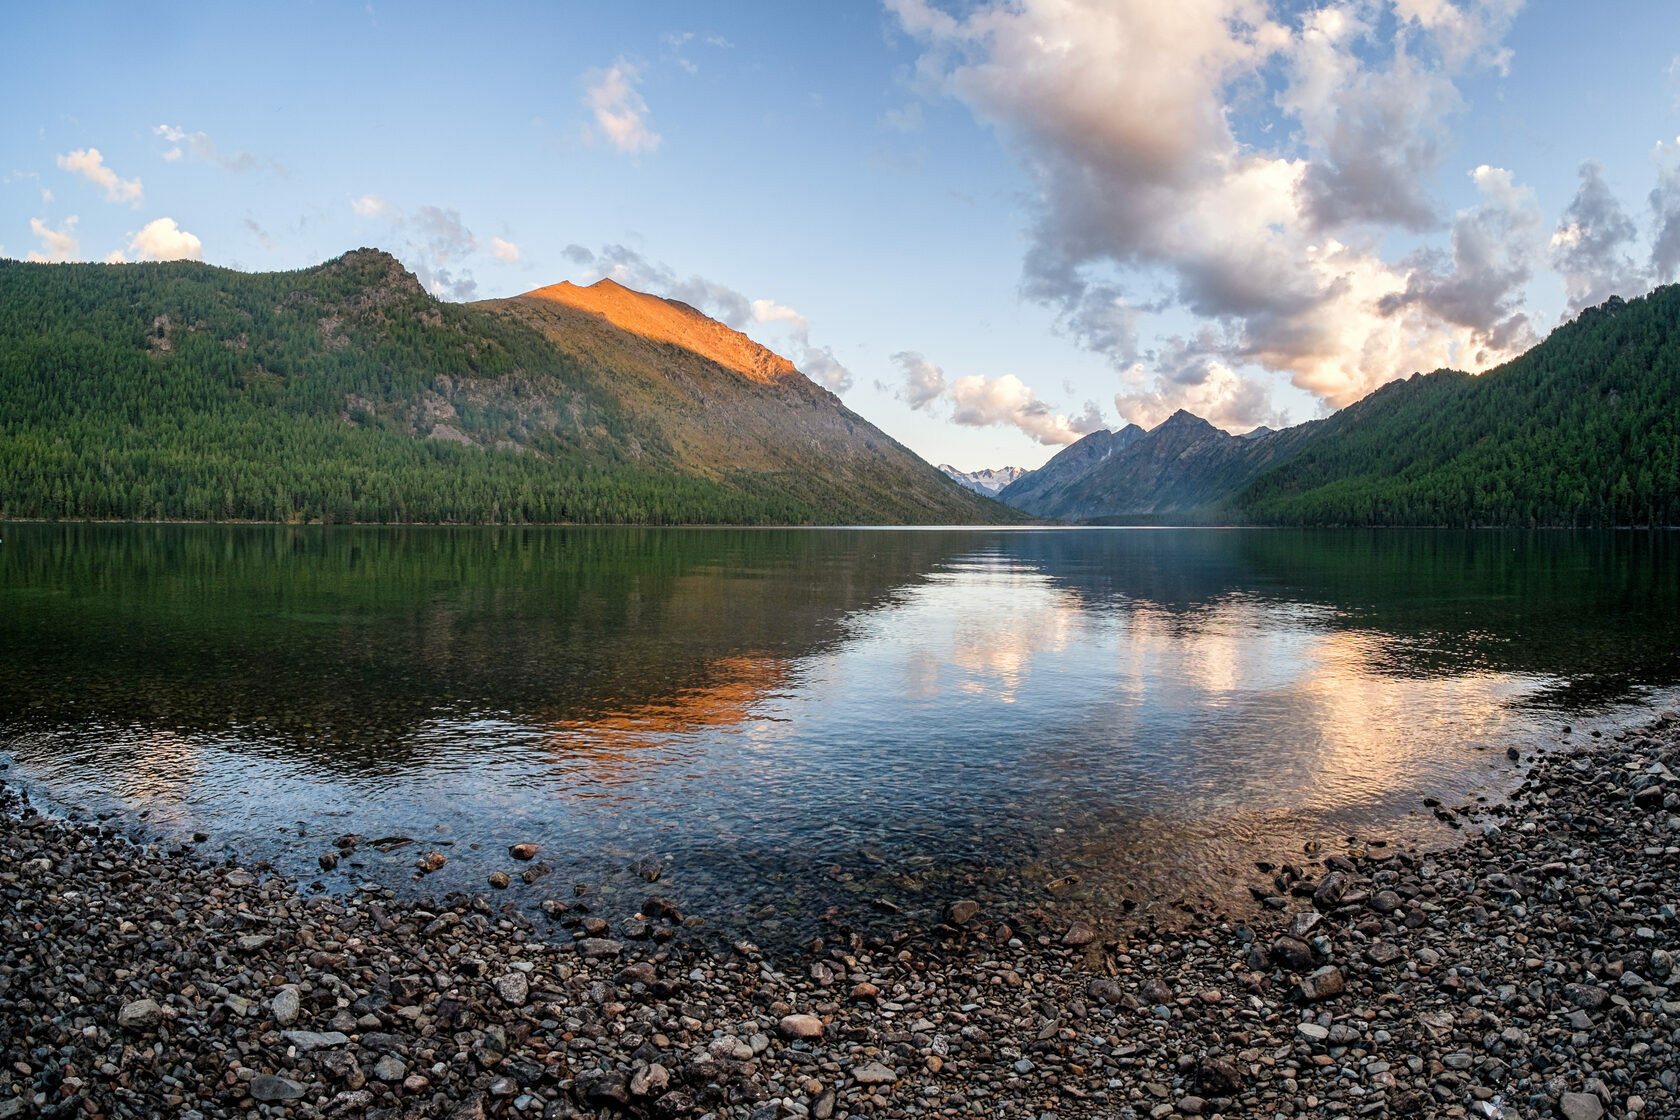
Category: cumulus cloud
[504,250]
[924,382]
[370,206]
[723,303]
[1591,243]
[90,165]
[57,245]
[1193,375]
[620,112]
[981,402]
[1481,285]
[161,239]
[1665,213]
[203,148]
[443,232]
[1130,119]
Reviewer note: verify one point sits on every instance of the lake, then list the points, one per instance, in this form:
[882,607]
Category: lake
[813,728]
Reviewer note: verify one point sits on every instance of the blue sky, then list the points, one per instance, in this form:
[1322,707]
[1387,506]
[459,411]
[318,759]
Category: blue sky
[990,227]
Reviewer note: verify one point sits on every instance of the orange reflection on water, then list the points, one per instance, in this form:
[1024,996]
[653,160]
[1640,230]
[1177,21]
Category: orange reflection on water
[619,746]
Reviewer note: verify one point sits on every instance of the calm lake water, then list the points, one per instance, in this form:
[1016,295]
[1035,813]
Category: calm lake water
[812,725]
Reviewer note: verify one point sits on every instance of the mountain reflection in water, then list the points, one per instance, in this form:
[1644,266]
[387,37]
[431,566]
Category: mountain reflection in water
[798,722]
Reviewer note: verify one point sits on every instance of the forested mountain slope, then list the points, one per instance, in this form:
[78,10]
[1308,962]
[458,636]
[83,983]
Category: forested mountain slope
[345,393]
[1181,467]
[1582,430]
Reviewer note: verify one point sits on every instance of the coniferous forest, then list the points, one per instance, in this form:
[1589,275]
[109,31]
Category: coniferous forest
[1582,430]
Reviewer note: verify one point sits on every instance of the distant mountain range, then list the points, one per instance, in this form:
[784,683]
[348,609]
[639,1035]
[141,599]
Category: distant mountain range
[346,393]
[1582,430]
[984,482]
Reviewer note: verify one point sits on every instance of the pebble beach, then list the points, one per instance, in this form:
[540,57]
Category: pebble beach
[1526,971]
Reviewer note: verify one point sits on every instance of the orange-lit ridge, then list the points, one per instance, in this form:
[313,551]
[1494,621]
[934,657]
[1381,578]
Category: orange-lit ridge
[669,320]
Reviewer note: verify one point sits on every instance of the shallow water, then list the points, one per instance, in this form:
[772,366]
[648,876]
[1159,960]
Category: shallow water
[803,725]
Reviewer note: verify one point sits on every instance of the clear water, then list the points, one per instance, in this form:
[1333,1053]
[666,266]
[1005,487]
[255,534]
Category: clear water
[812,726]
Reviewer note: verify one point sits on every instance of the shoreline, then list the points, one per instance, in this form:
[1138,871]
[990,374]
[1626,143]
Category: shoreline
[1525,972]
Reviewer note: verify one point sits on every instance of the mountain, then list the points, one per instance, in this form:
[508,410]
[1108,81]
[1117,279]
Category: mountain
[345,392]
[1033,489]
[987,482]
[1584,429]
[1183,465]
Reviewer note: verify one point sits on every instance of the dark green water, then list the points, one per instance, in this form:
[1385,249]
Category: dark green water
[800,723]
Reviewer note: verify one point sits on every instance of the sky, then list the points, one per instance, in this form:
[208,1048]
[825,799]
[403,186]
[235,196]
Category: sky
[990,227]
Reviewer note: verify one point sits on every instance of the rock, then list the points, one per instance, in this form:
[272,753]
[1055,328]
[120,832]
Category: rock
[1079,934]
[285,1006]
[801,1026]
[328,861]
[650,1080]
[255,942]
[390,1068]
[1219,1076]
[267,1087]
[1106,991]
[603,1088]
[305,1041]
[1304,923]
[594,948]
[1383,953]
[1155,991]
[139,1015]
[1331,890]
[1580,1106]
[1192,1106]
[649,869]
[1385,902]
[1586,996]
[873,1073]
[499,880]
[431,861]
[524,851]
[513,989]
[1326,983]
[962,911]
[1293,954]
[1312,1032]
[865,990]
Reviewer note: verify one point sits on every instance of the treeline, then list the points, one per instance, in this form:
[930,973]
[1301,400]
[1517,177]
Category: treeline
[1583,430]
[181,391]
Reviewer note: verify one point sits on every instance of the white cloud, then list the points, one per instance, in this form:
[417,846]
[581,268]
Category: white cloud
[370,206]
[504,250]
[162,240]
[1193,377]
[620,112]
[57,245]
[1131,120]
[90,165]
[1590,246]
[981,402]
[202,147]
[924,382]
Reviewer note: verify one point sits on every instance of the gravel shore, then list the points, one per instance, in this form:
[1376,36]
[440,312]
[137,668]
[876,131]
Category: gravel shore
[1524,973]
